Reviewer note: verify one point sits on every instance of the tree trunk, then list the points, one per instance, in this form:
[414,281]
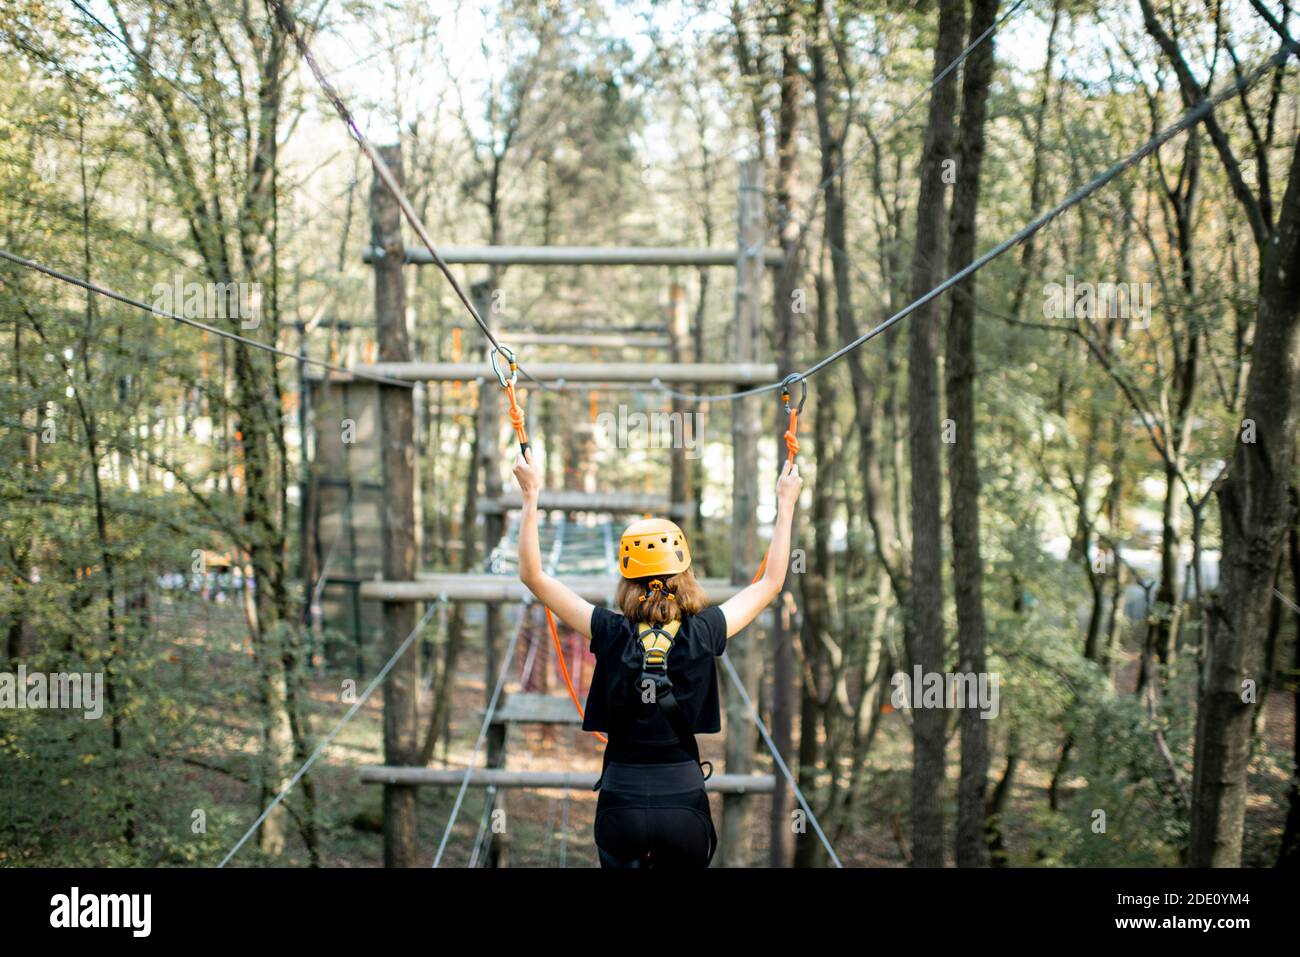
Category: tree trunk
[926,610]
[887,535]
[397,407]
[736,837]
[1255,513]
[815,626]
[964,481]
[785,321]
[1289,854]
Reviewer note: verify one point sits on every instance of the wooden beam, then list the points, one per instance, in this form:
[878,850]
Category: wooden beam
[619,503]
[589,341]
[722,373]
[600,326]
[578,256]
[541,780]
[430,586]
[319,376]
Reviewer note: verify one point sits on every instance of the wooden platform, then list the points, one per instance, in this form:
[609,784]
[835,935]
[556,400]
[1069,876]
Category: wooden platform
[528,707]
[719,373]
[431,586]
[542,780]
[618,503]
[579,256]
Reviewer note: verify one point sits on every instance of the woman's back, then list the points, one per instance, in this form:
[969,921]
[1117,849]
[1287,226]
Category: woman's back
[626,706]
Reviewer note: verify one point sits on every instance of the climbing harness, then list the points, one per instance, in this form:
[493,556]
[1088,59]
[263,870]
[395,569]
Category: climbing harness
[654,685]
[656,587]
[656,643]
[653,546]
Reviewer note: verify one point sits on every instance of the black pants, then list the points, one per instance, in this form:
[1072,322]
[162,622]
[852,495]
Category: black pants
[654,815]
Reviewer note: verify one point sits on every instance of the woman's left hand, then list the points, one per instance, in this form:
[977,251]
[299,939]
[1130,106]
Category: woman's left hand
[526,474]
[788,486]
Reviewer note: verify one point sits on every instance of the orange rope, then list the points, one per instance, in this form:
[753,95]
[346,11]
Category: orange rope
[792,447]
[564,670]
[516,416]
[517,421]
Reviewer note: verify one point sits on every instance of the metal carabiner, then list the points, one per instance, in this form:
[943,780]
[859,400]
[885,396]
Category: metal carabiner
[786,383]
[496,368]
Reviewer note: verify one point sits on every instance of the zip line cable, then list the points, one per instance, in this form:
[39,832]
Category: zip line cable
[235,134]
[288,23]
[356,706]
[290,26]
[1189,119]
[224,333]
[240,136]
[776,757]
[893,121]
[805,227]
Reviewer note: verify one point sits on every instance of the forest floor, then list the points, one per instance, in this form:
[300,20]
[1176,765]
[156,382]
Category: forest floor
[552,828]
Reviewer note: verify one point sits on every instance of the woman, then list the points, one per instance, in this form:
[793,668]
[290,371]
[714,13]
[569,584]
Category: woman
[655,685]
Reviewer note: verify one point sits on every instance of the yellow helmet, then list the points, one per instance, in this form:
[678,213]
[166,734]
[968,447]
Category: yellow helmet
[653,546]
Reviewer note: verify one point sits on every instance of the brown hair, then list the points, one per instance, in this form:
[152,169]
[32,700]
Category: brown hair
[658,608]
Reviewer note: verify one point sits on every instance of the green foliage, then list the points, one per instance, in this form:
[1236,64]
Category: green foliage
[1118,771]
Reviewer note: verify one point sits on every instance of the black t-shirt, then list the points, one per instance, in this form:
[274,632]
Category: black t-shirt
[638,730]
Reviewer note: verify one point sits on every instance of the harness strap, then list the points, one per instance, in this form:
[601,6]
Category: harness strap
[655,663]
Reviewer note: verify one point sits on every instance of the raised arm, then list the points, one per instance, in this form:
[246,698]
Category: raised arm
[574,610]
[744,606]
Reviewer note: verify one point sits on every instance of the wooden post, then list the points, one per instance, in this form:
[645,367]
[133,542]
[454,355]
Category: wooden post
[489,445]
[508,589]
[308,546]
[489,448]
[498,854]
[737,811]
[573,448]
[398,456]
[679,345]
